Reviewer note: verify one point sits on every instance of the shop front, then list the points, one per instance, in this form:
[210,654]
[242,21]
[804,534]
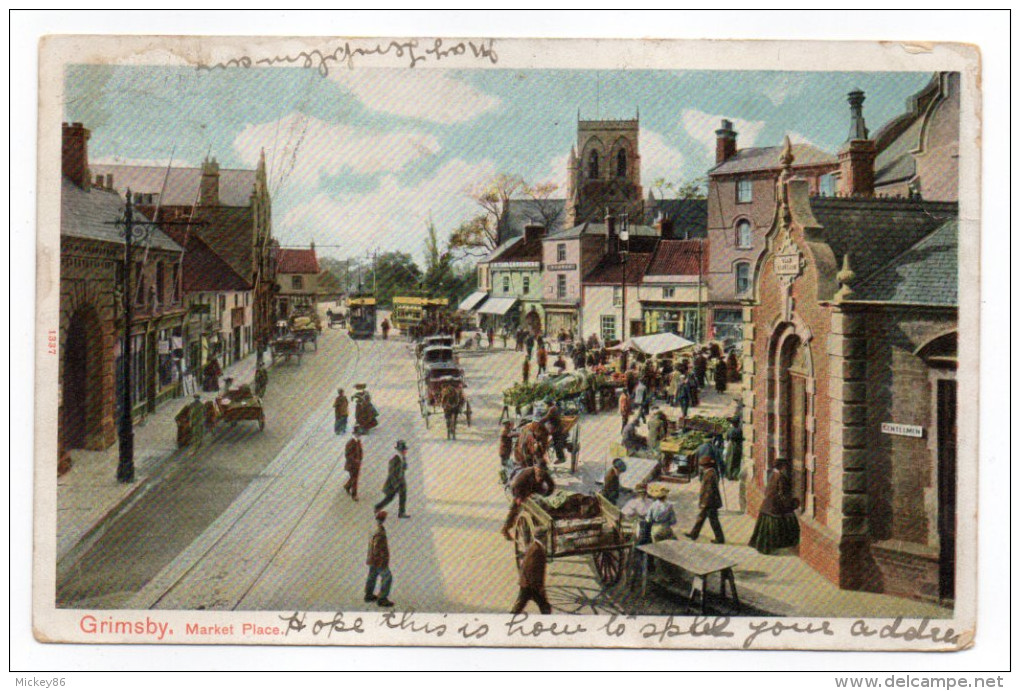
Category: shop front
[682,320]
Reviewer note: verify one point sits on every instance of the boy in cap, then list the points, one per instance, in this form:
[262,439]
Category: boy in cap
[378,563]
[341,409]
[396,484]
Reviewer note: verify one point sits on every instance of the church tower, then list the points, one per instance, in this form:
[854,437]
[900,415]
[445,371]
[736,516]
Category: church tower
[604,172]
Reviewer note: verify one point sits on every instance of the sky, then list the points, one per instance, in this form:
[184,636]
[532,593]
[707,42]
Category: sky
[360,159]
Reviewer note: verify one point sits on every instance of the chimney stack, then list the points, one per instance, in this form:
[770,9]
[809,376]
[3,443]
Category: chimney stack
[209,193]
[533,231]
[666,228]
[74,162]
[725,142]
[857,157]
[612,240]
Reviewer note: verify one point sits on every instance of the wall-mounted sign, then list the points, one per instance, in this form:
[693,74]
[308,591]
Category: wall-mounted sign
[562,267]
[787,264]
[902,430]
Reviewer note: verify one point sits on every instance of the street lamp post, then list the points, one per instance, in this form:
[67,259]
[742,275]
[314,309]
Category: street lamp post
[133,231]
[624,252]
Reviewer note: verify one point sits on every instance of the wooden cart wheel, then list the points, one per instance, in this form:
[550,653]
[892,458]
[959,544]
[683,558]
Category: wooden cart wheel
[575,446]
[522,538]
[609,566]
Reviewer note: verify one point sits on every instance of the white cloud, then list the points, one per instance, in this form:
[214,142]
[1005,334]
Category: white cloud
[310,148]
[659,160]
[798,138]
[420,94]
[781,87]
[701,127]
[557,174]
[390,217]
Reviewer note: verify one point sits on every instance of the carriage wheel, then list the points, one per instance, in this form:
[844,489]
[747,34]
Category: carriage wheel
[575,447]
[609,566]
[522,538]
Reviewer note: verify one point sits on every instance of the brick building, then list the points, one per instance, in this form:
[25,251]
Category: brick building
[741,203]
[92,266]
[297,275]
[850,341]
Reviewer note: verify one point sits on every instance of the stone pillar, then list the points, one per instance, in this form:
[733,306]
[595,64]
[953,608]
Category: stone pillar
[848,453]
[748,372]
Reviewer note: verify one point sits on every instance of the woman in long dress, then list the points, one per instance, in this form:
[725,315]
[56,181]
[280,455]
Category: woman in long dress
[777,525]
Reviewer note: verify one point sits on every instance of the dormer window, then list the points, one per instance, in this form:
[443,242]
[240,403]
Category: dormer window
[593,165]
[621,164]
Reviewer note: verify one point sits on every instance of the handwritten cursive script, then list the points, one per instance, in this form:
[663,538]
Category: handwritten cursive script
[410,52]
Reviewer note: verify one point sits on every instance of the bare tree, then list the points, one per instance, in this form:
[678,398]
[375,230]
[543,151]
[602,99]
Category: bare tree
[542,207]
[483,233]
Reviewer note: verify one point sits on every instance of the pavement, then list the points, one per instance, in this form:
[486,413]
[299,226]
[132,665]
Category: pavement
[89,497]
[449,557]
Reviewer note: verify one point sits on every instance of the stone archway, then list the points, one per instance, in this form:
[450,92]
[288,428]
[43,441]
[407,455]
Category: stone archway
[81,409]
[791,395]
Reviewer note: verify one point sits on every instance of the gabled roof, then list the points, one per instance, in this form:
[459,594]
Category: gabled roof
[519,250]
[204,271]
[679,258]
[230,232]
[609,270]
[926,273]
[236,185]
[689,216]
[874,230]
[767,158]
[90,214]
[297,261]
[523,212]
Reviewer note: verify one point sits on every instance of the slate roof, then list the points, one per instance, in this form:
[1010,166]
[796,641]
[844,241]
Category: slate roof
[679,258]
[900,136]
[518,250]
[689,216]
[767,158]
[926,273]
[875,230]
[230,233]
[89,213]
[589,228]
[297,261]
[609,270]
[236,185]
[204,271]
[522,212]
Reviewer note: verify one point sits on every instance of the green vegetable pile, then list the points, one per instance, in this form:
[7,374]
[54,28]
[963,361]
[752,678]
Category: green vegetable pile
[557,388]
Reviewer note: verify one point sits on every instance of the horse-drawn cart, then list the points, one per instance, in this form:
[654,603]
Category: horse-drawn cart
[576,525]
[286,347]
[238,405]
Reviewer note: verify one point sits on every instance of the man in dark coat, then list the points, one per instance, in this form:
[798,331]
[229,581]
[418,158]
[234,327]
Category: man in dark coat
[542,359]
[506,448]
[525,370]
[553,421]
[709,502]
[396,484]
[532,442]
[532,580]
[535,479]
[385,329]
[378,563]
[353,454]
[722,377]
[700,368]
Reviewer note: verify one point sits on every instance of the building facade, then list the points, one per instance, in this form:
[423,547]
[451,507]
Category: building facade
[849,359]
[297,276]
[92,323]
[741,204]
[674,290]
[514,272]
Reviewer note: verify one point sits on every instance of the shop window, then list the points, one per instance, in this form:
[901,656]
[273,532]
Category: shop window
[743,191]
[744,237]
[743,277]
[608,328]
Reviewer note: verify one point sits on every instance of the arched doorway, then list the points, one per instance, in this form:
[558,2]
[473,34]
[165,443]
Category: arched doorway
[793,406]
[791,389]
[82,380]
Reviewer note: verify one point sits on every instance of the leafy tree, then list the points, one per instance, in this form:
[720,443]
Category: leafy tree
[695,188]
